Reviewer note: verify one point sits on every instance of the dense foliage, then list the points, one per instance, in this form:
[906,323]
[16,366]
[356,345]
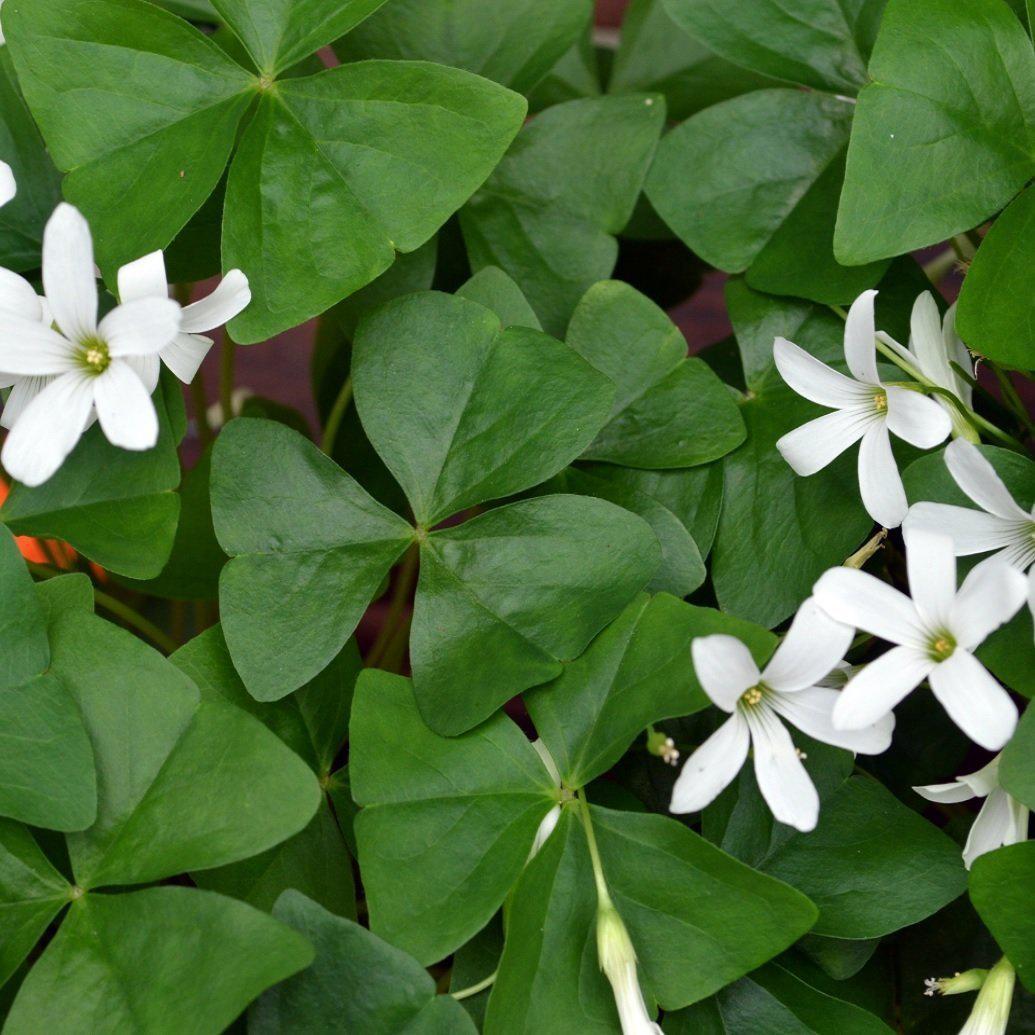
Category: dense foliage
[563,681]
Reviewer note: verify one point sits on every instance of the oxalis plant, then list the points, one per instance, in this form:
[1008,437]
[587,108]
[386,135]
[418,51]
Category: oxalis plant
[536,676]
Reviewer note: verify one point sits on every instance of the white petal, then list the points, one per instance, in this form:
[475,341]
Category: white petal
[991,594]
[782,779]
[18,296]
[724,667]
[143,278]
[22,393]
[813,646]
[1031,592]
[974,700]
[814,380]
[68,272]
[811,447]
[230,297]
[142,327]
[926,341]
[957,353]
[147,368]
[879,687]
[712,767]
[978,479]
[184,355]
[811,710]
[879,482]
[860,599]
[931,566]
[48,429]
[8,188]
[124,408]
[546,828]
[972,531]
[946,793]
[994,827]
[27,348]
[918,420]
[984,780]
[860,339]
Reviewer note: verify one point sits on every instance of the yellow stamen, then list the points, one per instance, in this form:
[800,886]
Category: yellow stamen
[752,697]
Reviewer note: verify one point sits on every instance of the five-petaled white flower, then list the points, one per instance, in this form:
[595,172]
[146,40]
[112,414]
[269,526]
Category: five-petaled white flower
[1002,820]
[788,687]
[146,278]
[865,411]
[999,525]
[935,634]
[90,364]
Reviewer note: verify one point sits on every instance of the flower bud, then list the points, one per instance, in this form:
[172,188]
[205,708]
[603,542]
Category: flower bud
[991,1011]
[618,962]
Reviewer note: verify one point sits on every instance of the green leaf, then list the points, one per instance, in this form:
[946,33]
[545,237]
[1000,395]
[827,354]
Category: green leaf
[462,410]
[23,629]
[309,549]
[668,410]
[39,183]
[278,33]
[314,862]
[655,55]
[1000,888]
[113,505]
[697,917]
[136,105]
[163,806]
[767,177]
[326,184]
[447,823]
[32,893]
[358,983]
[492,288]
[682,568]
[1017,766]
[898,867]
[549,978]
[64,593]
[777,532]
[163,959]
[996,315]
[549,213]
[312,721]
[513,42]
[818,43]
[774,1000]
[917,138]
[505,598]
[634,673]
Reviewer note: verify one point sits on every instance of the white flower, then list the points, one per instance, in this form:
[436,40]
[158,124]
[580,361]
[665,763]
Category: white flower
[999,525]
[618,962]
[90,365]
[864,409]
[146,278]
[934,346]
[18,297]
[788,687]
[935,632]
[991,1013]
[1002,820]
[8,188]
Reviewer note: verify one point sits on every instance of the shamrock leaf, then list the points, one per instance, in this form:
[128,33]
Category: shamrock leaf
[492,288]
[447,823]
[320,194]
[916,139]
[549,213]
[1017,767]
[357,983]
[777,532]
[46,765]
[514,42]
[669,411]
[999,884]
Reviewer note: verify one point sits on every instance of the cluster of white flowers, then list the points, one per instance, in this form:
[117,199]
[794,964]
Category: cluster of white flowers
[66,368]
[933,632]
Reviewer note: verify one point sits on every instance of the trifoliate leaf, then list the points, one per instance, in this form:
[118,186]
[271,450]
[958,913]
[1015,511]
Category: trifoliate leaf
[1000,885]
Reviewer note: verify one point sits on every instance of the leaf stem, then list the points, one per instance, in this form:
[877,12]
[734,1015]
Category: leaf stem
[335,417]
[1013,400]
[199,401]
[603,896]
[227,370]
[466,993]
[404,582]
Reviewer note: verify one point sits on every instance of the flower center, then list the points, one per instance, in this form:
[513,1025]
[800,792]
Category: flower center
[942,647]
[753,696]
[880,402]
[94,355]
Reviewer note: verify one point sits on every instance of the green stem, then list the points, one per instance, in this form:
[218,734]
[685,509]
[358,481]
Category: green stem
[335,417]
[199,401]
[227,365]
[466,993]
[603,896]
[1013,400]
[395,652]
[400,596]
